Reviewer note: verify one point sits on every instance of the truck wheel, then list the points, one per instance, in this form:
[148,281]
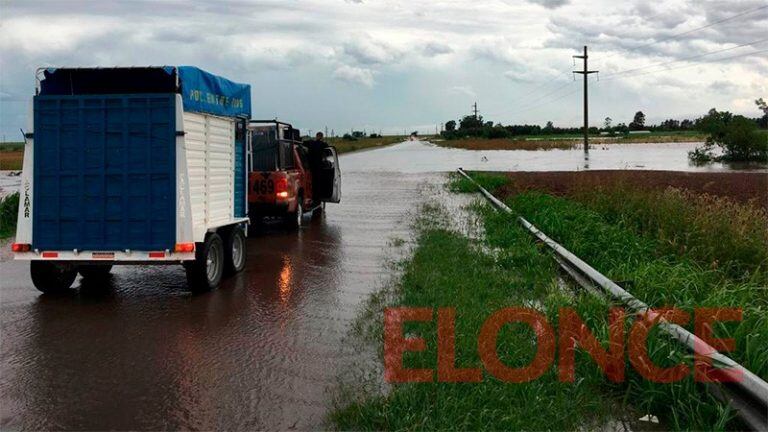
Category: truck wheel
[95,271]
[52,277]
[234,251]
[296,219]
[204,273]
[319,210]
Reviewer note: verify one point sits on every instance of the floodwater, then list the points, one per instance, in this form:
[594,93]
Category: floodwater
[422,157]
[264,351]
[419,156]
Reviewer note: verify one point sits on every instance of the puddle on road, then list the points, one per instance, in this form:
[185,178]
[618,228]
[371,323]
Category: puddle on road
[421,156]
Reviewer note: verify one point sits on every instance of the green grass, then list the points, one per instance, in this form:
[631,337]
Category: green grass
[447,270]
[9,207]
[508,268]
[11,146]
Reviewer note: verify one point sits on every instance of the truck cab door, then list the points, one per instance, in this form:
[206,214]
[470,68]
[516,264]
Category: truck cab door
[331,163]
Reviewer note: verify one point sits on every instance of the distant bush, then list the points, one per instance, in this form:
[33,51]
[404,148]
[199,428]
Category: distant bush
[348,137]
[9,208]
[374,135]
[739,138]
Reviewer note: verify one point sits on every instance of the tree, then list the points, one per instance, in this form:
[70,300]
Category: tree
[450,126]
[762,106]
[548,128]
[737,136]
[639,122]
[471,124]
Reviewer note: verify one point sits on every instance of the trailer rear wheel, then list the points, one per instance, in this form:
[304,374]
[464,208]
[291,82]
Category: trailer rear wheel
[234,251]
[204,273]
[95,271]
[52,277]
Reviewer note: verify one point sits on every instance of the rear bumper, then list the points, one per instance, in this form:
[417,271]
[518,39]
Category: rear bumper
[107,257]
[263,209]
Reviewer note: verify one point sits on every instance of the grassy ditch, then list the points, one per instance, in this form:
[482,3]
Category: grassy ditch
[507,268]
[346,146]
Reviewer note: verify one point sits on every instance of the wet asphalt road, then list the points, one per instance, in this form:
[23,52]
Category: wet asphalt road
[264,351]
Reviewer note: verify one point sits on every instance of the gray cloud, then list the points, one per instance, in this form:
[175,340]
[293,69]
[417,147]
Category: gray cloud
[433,49]
[367,50]
[550,4]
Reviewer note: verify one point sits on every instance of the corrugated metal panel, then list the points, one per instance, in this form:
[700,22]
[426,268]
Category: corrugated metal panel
[104,172]
[209,143]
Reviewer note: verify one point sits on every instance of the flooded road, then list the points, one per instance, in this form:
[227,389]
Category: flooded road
[265,351]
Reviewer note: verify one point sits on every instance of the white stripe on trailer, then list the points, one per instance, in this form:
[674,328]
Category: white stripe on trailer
[26,189]
[184,218]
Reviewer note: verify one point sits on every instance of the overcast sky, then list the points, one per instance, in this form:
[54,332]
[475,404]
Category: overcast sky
[395,65]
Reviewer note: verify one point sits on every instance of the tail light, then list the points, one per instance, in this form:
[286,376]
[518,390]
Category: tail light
[184,247]
[281,187]
[21,247]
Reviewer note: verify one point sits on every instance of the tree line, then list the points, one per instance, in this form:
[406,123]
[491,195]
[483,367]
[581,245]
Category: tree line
[476,126]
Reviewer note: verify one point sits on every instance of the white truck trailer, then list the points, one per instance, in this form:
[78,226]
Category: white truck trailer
[142,165]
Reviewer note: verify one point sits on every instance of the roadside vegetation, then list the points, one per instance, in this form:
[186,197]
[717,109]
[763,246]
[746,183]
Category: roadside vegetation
[349,143]
[11,155]
[566,142]
[669,248]
[9,207]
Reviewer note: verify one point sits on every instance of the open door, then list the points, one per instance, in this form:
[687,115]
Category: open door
[333,158]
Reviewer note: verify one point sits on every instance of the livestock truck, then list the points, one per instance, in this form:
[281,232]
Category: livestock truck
[139,165]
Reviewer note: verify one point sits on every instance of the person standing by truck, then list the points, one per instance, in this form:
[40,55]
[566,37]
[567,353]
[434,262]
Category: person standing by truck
[316,156]
[316,151]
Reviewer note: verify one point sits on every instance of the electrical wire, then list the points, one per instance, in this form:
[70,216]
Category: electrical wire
[687,32]
[688,65]
[687,58]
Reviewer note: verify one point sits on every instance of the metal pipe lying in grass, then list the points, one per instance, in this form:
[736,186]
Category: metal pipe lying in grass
[749,392]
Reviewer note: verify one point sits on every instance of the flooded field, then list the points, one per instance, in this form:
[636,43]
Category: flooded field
[419,156]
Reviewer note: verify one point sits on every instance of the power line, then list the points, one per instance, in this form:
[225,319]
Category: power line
[586,73]
[687,58]
[689,65]
[674,36]
[540,104]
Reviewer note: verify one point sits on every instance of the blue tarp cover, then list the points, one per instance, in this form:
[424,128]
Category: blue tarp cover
[201,91]
[205,92]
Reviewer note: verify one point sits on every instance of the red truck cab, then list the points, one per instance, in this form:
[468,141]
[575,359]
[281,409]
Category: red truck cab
[282,183]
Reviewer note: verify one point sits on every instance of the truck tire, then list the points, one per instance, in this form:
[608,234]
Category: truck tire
[234,251]
[52,277]
[95,272]
[205,272]
[318,211]
[295,219]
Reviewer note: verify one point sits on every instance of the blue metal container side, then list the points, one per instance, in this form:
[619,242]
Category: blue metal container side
[104,172]
[241,176]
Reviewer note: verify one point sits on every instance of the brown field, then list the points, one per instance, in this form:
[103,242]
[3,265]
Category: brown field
[565,144]
[11,160]
[738,186]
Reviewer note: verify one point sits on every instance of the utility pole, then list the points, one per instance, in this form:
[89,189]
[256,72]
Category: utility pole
[474,109]
[586,73]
